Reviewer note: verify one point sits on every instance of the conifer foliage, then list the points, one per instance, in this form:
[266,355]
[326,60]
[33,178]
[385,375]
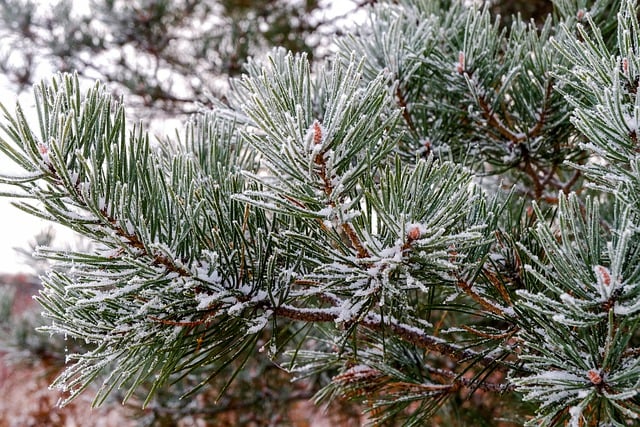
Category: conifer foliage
[446,208]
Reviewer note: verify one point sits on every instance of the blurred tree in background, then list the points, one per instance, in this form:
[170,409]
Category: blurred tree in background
[165,55]
[528,9]
[169,56]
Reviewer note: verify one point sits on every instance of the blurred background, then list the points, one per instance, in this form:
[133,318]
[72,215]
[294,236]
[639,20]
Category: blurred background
[166,59]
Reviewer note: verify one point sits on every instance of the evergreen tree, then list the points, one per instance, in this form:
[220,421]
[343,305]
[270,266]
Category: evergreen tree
[448,208]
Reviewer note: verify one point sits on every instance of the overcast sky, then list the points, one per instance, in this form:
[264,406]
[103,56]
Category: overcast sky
[16,227]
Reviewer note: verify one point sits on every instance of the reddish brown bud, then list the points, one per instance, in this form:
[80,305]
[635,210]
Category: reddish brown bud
[603,275]
[594,377]
[453,254]
[460,67]
[317,133]
[414,233]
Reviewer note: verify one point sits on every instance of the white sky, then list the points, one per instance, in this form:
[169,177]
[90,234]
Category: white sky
[18,228]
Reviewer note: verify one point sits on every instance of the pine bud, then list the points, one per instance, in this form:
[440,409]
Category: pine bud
[602,275]
[42,149]
[453,254]
[594,376]
[460,66]
[414,233]
[317,133]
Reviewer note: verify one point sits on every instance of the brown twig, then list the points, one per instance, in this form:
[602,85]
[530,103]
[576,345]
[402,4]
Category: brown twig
[468,289]
[470,384]
[502,336]
[537,128]
[402,103]
[491,118]
[527,167]
[566,188]
[498,285]
[403,331]
[320,161]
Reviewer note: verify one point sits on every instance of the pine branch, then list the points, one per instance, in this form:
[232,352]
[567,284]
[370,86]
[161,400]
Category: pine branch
[405,332]
[353,221]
